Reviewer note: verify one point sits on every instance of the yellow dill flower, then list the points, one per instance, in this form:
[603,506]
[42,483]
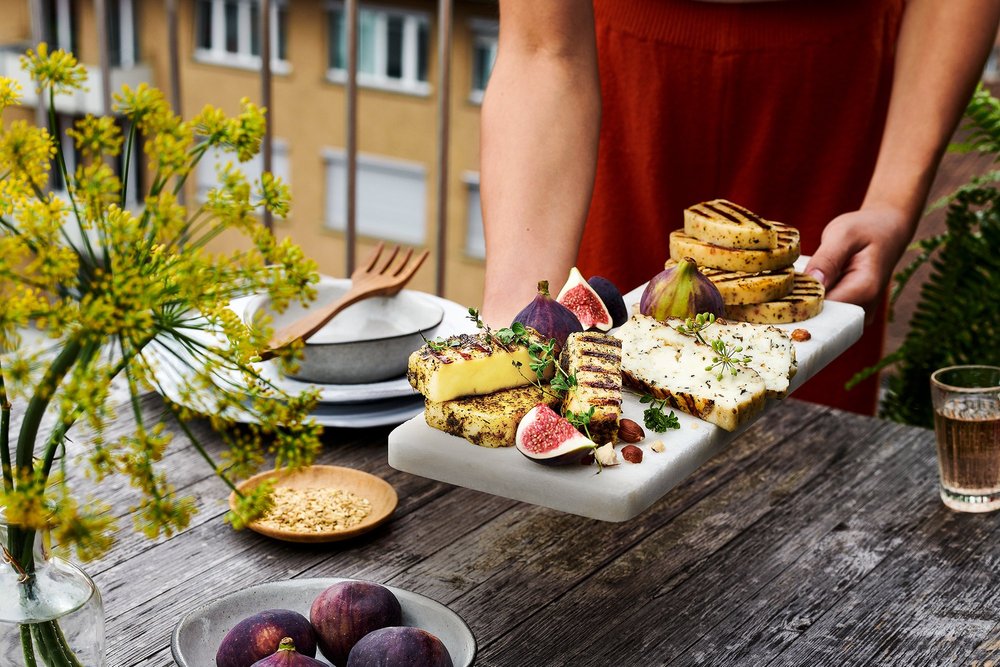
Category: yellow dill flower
[95,137]
[10,92]
[211,124]
[96,188]
[27,151]
[168,149]
[166,216]
[26,504]
[57,70]
[88,531]
[274,194]
[144,106]
[245,132]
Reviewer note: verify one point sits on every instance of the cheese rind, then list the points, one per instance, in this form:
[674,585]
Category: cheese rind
[804,301]
[469,365]
[733,259]
[490,420]
[723,223]
[738,287]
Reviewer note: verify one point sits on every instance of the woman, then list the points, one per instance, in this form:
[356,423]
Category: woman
[829,115]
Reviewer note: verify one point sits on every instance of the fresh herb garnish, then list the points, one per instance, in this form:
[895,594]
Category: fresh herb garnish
[654,416]
[726,358]
[581,419]
[693,326]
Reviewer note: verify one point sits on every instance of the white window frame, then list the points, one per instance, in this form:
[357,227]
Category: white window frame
[333,156]
[485,33]
[64,24]
[475,240]
[409,83]
[127,37]
[243,58]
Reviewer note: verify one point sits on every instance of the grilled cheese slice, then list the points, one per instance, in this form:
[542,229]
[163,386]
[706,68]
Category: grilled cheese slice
[733,259]
[490,420]
[594,358]
[737,287]
[469,365]
[723,223]
[804,301]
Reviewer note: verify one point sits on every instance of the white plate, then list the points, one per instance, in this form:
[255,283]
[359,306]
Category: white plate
[197,636]
[621,492]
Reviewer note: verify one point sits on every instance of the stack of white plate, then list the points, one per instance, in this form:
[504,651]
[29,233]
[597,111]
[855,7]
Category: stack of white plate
[355,405]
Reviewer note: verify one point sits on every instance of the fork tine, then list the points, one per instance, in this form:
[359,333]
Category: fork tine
[373,257]
[412,269]
[402,264]
[388,262]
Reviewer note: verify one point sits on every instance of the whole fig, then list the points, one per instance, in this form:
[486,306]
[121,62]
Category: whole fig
[258,636]
[399,647]
[681,291]
[287,656]
[549,317]
[347,611]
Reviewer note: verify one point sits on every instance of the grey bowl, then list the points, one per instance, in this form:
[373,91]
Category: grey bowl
[370,341]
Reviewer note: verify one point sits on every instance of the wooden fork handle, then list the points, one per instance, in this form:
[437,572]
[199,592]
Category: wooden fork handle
[305,327]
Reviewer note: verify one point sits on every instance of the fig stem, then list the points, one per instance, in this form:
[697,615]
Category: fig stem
[543,287]
[286,644]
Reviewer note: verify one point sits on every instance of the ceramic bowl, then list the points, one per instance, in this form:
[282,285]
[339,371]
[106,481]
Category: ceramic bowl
[379,493]
[369,341]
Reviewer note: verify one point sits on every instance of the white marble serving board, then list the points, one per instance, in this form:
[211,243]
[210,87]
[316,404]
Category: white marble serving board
[623,491]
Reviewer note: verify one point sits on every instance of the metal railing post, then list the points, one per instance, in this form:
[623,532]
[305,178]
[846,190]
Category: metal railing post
[104,58]
[350,191]
[265,82]
[37,36]
[173,56]
[443,130]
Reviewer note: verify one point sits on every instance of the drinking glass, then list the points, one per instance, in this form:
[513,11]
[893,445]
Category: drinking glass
[967,425]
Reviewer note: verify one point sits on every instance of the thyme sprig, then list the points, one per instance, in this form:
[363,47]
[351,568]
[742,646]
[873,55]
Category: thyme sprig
[654,416]
[727,357]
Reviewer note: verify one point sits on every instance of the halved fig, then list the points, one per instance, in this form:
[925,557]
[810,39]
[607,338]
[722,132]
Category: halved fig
[580,297]
[546,437]
[611,297]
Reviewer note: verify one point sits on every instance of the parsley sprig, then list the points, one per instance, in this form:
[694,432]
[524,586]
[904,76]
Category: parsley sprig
[654,416]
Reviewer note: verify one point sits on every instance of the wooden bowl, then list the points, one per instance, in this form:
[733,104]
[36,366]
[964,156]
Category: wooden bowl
[379,492]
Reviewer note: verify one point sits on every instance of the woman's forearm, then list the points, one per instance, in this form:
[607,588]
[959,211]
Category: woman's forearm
[540,125]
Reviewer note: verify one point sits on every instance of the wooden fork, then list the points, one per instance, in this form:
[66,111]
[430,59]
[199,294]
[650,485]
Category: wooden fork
[368,280]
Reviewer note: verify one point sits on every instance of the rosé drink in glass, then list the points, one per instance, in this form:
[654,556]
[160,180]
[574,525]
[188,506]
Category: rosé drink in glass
[967,424]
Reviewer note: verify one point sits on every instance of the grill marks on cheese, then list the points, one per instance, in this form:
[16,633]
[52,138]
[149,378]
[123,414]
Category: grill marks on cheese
[783,255]
[804,301]
[490,420]
[737,287]
[595,359]
[468,365]
[726,224]
[656,359]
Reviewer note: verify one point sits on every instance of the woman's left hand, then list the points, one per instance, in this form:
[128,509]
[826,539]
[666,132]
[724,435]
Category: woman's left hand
[858,253]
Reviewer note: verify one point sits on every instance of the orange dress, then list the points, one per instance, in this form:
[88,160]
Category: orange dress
[778,106]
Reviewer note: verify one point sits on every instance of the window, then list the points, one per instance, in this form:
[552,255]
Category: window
[484,53]
[991,72]
[60,24]
[228,33]
[123,46]
[392,48]
[475,239]
[391,198]
[207,176]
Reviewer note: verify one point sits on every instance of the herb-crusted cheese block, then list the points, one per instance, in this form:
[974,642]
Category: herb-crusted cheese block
[733,259]
[723,223]
[469,365]
[594,358]
[653,362]
[490,420]
[737,287]
[804,301]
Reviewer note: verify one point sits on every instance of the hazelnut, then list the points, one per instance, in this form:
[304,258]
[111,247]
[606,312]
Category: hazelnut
[629,431]
[632,454]
[801,335]
[658,446]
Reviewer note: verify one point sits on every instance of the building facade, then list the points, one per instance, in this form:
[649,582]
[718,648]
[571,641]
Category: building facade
[219,63]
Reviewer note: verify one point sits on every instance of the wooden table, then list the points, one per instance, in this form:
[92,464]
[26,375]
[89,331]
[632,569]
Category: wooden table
[817,539]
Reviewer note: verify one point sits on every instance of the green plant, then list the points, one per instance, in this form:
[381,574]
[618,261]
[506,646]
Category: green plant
[107,284]
[957,318]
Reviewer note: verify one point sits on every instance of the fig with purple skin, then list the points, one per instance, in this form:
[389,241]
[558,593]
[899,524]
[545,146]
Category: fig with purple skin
[287,656]
[546,437]
[347,611]
[580,297]
[258,636]
[681,291]
[549,317]
[611,297]
[399,647]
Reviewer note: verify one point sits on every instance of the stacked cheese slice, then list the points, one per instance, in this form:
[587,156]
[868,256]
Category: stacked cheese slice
[750,260]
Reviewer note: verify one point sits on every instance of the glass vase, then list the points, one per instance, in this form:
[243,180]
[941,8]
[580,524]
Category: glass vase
[51,612]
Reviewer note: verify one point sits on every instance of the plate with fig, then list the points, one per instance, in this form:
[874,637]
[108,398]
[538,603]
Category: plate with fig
[326,620]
